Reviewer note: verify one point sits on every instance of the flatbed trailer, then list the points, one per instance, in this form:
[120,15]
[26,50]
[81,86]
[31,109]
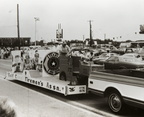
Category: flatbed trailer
[47,77]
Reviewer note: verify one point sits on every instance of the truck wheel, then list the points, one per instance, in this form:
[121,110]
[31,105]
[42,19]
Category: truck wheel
[62,76]
[115,102]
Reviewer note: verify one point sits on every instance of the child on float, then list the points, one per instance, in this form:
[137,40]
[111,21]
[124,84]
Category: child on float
[36,62]
[27,62]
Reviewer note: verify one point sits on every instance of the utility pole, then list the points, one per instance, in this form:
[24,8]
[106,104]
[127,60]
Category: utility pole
[36,19]
[18,30]
[91,40]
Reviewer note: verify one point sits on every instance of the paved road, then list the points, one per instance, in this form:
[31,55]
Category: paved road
[33,104]
[38,102]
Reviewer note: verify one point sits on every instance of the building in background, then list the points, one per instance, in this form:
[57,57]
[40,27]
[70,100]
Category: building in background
[14,41]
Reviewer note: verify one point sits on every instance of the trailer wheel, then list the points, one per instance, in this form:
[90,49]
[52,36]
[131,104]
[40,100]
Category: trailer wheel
[62,76]
[115,102]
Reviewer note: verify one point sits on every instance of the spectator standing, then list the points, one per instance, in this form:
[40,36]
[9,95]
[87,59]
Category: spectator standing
[2,53]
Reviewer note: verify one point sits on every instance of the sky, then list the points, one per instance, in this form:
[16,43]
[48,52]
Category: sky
[111,19]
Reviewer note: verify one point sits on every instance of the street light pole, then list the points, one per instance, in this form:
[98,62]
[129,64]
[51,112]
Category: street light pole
[36,19]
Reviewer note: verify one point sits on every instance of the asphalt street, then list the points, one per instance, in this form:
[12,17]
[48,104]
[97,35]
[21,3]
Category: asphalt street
[33,104]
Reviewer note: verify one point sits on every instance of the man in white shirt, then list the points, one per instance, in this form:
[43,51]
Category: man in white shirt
[64,49]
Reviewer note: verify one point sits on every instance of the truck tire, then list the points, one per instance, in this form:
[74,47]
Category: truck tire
[115,102]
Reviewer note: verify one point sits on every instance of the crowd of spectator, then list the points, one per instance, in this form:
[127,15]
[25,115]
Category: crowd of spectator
[5,52]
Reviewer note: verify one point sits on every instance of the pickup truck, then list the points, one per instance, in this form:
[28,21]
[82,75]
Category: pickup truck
[121,87]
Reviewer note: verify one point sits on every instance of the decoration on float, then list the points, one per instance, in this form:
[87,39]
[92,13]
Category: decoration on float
[16,61]
[51,63]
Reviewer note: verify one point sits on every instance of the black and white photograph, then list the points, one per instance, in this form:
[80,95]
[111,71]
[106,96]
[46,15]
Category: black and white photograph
[72,58]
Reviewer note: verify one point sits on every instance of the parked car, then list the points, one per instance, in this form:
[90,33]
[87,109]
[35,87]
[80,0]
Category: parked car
[141,52]
[132,57]
[122,51]
[103,57]
[123,62]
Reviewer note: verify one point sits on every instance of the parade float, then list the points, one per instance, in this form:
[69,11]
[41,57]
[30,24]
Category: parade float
[68,74]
